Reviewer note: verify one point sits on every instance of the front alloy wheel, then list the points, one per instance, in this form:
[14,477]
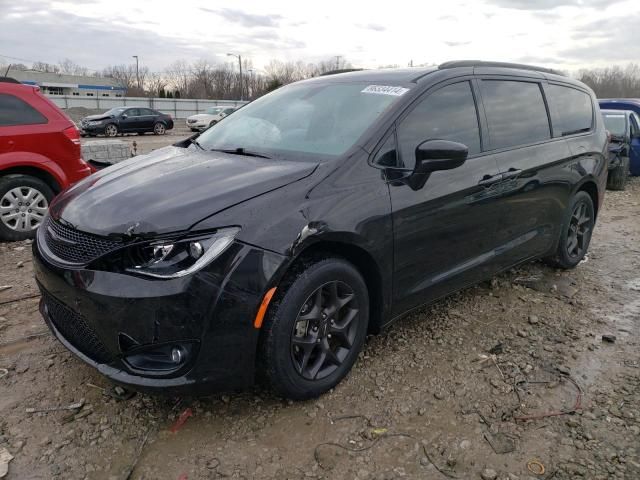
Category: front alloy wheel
[325,330]
[111,130]
[314,328]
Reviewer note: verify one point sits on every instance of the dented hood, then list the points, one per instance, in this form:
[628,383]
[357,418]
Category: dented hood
[169,190]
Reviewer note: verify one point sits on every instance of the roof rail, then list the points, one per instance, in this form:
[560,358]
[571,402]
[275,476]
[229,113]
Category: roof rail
[480,63]
[8,80]
[341,70]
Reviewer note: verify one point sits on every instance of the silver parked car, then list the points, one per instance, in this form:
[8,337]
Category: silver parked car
[210,117]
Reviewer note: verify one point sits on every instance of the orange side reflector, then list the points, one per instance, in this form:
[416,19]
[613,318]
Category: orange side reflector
[257,323]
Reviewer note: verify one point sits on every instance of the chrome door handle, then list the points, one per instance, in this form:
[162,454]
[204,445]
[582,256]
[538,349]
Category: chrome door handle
[490,180]
[511,173]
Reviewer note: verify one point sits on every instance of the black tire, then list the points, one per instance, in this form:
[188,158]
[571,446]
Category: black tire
[9,183]
[212,123]
[159,128]
[617,179]
[282,357]
[111,130]
[567,256]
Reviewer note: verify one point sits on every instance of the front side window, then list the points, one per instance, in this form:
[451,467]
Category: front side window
[516,113]
[572,110]
[309,118]
[446,114]
[132,112]
[14,111]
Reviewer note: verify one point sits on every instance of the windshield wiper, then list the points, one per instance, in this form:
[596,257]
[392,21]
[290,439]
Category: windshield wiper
[196,143]
[240,151]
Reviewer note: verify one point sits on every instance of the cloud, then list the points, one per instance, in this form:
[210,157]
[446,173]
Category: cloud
[611,39]
[244,18]
[66,32]
[457,44]
[374,26]
[551,4]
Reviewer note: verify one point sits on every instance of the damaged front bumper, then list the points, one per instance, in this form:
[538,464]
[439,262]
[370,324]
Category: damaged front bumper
[191,335]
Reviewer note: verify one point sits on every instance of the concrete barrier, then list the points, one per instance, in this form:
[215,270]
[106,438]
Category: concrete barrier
[106,151]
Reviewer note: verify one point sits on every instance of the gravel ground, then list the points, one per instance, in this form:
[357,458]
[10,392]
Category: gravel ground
[426,399]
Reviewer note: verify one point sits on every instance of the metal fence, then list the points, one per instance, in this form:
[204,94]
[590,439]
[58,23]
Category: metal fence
[176,107]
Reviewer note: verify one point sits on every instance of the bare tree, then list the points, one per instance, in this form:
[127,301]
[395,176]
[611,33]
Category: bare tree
[45,67]
[613,81]
[126,76]
[69,67]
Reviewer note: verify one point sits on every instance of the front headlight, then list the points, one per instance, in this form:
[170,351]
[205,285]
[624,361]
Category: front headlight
[175,259]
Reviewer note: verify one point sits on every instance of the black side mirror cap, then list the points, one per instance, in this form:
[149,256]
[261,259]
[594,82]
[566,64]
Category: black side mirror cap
[434,155]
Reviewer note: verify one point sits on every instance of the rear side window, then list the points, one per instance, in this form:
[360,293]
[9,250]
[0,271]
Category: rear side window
[572,110]
[446,114]
[516,113]
[14,111]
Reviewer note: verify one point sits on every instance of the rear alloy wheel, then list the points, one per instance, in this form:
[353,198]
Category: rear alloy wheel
[315,328]
[111,130]
[576,232]
[159,129]
[24,201]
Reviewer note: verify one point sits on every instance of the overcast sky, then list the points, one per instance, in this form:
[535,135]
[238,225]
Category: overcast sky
[567,34]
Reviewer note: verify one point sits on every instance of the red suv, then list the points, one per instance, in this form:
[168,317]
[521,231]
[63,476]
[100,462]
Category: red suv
[39,157]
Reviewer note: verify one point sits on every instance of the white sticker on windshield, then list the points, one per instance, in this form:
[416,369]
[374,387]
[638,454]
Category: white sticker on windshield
[385,90]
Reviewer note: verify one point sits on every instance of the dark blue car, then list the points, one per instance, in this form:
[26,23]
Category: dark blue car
[632,104]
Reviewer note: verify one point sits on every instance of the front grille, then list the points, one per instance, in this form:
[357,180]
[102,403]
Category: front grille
[74,328]
[73,246]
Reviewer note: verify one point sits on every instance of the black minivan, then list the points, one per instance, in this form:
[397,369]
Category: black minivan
[271,244]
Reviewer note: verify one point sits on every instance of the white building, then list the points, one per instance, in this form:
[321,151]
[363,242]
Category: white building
[55,84]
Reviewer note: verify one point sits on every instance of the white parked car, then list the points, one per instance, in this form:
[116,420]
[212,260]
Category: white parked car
[210,117]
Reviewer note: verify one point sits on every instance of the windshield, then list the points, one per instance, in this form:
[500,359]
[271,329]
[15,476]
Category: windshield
[615,123]
[214,110]
[308,118]
[115,111]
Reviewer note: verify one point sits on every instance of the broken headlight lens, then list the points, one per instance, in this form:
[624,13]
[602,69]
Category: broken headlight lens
[175,259]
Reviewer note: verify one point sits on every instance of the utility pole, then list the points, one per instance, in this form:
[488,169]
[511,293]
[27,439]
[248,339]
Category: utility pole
[338,57]
[137,70]
[250,84]
[239,57]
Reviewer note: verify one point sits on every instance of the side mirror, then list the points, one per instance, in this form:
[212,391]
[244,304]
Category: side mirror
[123,116]
[434,155]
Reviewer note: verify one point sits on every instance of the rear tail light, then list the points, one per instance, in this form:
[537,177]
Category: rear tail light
[72,134]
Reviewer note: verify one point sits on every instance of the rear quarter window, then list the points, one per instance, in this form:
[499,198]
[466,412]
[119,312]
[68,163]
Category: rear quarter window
[571,110]
[516,113]
[14,111]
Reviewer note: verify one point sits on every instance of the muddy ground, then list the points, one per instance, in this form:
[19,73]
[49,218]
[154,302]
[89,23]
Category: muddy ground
[425,400]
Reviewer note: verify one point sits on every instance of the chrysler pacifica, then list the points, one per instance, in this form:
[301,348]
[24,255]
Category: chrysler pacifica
[268,246]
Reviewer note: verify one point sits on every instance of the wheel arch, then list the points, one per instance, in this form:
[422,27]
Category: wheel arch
[40,172]
[364,263]
[590,186]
